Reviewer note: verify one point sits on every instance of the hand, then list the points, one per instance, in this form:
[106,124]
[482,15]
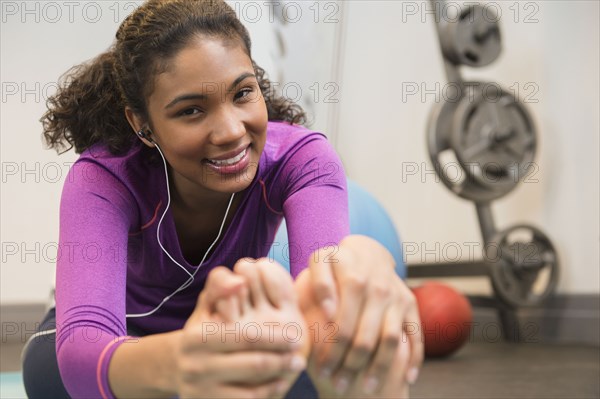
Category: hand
[356,288]
[235,342]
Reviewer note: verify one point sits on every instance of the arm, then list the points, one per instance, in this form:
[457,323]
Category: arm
[95,356]
[315,201]
[354,282]
[198,362]
[97,212]
[90,279]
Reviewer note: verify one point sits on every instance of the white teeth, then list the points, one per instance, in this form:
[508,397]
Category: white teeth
[230,161]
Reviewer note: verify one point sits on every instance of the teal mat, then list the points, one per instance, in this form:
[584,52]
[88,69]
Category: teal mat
[11,386]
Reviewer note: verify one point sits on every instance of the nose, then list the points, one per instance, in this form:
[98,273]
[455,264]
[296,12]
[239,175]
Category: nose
[229,126]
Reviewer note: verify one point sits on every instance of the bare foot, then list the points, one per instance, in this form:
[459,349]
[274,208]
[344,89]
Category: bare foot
[270,302]
[257,301]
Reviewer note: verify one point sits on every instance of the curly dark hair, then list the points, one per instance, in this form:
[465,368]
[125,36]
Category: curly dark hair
[89,105]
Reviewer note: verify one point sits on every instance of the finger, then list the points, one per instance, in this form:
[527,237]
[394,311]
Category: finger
[248,368]
[277,283]
[394,385]
[218,336]
[272,389]
[363,346]
[352,285]
[248,268]
[401,361]
[197,388]
[323,280]
[389,340]
[412,328]
[366,343]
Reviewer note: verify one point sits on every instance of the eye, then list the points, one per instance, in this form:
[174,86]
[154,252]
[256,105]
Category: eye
[189,111]
[244,93]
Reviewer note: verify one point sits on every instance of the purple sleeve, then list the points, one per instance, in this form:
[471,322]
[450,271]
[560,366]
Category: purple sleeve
[96,212]
[316,201]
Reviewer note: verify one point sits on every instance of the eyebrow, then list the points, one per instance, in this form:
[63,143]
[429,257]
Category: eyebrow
[197,96]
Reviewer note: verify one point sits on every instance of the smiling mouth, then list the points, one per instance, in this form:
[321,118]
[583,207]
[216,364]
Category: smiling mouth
[230,161]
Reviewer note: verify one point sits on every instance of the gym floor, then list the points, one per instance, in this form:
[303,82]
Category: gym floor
[485,370]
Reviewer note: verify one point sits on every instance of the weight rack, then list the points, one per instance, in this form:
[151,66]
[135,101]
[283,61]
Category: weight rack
[491,136]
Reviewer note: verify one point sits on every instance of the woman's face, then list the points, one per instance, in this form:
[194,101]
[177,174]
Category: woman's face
[209,118]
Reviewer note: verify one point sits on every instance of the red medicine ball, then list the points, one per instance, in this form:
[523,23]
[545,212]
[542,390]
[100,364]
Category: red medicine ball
[446,318]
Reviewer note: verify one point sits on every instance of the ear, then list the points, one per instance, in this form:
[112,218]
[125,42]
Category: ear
[137,124]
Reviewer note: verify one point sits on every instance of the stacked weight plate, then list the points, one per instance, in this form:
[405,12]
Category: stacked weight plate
[488,133]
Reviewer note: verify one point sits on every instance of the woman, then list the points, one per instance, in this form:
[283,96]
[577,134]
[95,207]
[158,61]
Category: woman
[189,162]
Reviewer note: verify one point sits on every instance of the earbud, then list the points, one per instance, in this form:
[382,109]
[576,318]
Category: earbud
[145,135]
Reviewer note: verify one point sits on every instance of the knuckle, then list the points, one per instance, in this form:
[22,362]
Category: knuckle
[410,298]
[321,287]
[381,291]
[363,346]
[361,350]
[390,339]
[406,300]
[381,366]
[344,336]
[356,282]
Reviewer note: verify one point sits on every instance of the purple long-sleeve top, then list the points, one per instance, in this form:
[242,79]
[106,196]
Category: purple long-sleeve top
[110,263]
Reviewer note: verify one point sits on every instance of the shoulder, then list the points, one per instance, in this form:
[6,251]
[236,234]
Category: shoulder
[99,154]
[296,156]
[97,162]
[284,132]
[121,180]
[285,140]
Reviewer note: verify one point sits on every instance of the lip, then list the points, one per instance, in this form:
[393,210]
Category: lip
[229,155]
[234,169]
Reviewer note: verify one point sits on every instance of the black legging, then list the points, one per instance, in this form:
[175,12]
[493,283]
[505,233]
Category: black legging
[42,379]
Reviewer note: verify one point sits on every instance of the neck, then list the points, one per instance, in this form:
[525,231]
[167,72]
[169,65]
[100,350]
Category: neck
[188,198]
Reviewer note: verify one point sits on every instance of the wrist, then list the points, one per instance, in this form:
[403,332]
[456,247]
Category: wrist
[169,383]
[145,367]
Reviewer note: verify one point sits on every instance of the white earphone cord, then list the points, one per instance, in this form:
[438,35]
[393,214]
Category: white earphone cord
[190,280]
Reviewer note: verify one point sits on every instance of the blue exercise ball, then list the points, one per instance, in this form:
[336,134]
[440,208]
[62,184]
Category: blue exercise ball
[367,217]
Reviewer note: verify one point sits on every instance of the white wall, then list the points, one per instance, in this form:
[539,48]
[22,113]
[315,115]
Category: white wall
[550,45]
[38,44]
[376,130]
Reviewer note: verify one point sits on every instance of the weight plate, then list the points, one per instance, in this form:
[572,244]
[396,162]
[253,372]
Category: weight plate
[524,266]
[493,136]
[444,160]
[473,38]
